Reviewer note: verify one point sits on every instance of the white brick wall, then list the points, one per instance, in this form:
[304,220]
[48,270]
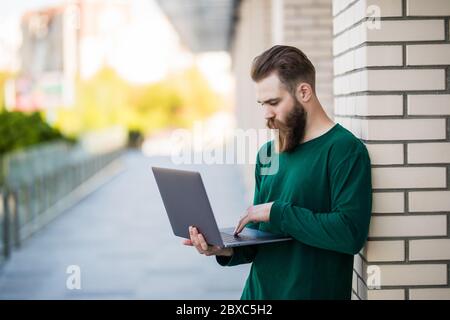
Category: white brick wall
[431,249]
[409,177]
[429,201]
[408,226]
[391,89]
[438,152]
[389,294]
[377,251]
[428,54]
[390,80]
[388,202]
[368,56]
[386,153]
[430,294]
[362,9]
[424,30]
[428,8]
[413,274]
[429,104]
[380,105]
[404,129]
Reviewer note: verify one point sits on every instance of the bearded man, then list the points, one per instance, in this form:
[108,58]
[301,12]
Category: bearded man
[321,194]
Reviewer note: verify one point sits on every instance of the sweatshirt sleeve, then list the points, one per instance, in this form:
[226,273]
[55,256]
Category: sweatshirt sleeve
[345,228]
[245,254]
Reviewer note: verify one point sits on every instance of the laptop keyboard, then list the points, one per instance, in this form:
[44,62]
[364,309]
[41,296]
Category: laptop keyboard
[231,238]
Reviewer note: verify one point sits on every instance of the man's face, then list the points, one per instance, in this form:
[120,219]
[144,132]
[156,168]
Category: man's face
[282,111]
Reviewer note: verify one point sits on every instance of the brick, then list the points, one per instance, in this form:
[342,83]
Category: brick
[349,17]
[349,39]
[400,30]
[362,9]
[430,294]
[368,56]
[381,251]
[421,201]
[413,274]
[408,226]
[386,294]
[383,55]
[388,202]
[437,152]
[339,5]
[350,83]
[429,249]
[390,80]
[404,129]
[428,8]
[358,265]
[391,30]
[385,153]
[369,105]
[428,54]
[409,177]
[389,8]
[362,289]
[410,79]
[428,104]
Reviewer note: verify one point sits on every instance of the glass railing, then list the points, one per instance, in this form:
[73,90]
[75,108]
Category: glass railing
[38,183]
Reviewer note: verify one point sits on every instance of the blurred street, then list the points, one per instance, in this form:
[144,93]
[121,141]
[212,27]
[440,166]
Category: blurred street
[121,239]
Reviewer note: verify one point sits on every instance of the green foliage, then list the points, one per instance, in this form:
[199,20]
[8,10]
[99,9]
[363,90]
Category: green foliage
[106,100]
[3,77]
[19,130]
[135,138]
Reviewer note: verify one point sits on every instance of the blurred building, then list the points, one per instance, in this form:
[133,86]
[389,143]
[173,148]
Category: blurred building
[48,57]
[60,44]
[382,72]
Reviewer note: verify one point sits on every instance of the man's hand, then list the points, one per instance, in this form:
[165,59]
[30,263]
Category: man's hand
[198,241]
[258,213]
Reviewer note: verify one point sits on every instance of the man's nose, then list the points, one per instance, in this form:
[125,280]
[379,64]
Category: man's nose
[268,113]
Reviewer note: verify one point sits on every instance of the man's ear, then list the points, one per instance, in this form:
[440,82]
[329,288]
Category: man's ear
[304,92]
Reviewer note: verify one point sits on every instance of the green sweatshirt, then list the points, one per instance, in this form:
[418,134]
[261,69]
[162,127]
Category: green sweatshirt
[322,195]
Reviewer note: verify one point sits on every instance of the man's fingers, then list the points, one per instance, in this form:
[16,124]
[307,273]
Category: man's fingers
[202,241]
[237,226]
[241,225]
[191,234]
[194,238]
[198,241]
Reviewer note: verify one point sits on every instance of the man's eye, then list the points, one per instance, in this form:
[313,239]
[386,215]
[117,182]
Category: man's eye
[273,103]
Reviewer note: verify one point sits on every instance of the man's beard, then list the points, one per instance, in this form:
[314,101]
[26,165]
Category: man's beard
[293,130]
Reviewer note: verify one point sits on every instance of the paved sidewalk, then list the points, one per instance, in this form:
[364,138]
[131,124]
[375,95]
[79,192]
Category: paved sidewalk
[121,239]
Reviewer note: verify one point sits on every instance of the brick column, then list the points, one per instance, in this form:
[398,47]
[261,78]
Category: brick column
[391,89]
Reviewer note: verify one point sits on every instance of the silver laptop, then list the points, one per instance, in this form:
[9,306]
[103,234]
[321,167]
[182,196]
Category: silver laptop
[186,202]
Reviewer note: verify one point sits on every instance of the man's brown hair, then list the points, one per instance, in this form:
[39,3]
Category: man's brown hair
[291,65]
